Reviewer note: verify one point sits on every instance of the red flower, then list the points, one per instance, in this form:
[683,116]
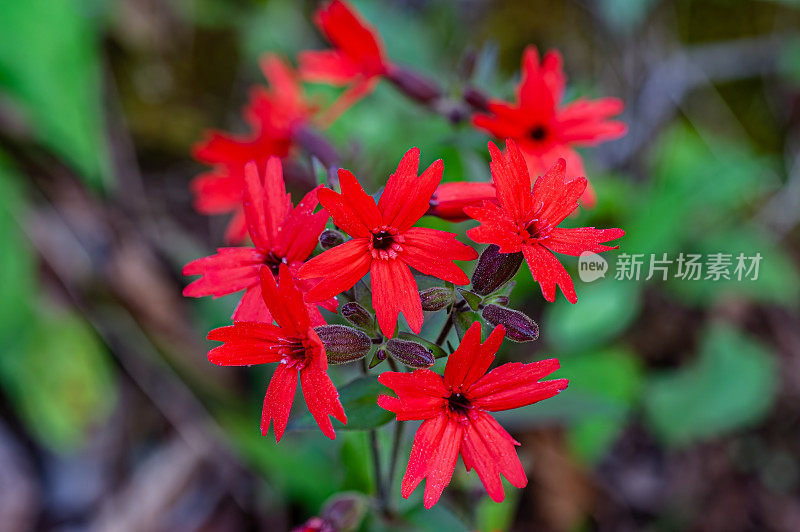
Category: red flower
[526,220]
[280,234]
[449,200]
[357,59]
[544,129]
[455,410]
[274,115]
[385,244]
[294,345]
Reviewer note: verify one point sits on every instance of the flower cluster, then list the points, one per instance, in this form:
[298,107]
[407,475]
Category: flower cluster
[371,251]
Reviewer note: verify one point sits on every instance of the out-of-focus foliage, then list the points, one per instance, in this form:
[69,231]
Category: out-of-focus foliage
[731,384]
[50,64]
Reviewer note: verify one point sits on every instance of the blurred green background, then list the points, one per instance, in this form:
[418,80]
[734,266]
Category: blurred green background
[684,403]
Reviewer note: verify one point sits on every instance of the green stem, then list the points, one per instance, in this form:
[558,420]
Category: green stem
[376,464]
[398,437]
[445,330]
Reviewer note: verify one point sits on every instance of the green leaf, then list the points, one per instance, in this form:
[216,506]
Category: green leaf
[694,188]
[604,309]
[731,385]
[473,300]
[778,280]
[50,66]
[464,320]
[60,380]
[360,401]
[603,388]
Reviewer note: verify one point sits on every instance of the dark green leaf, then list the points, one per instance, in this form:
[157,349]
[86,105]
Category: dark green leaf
[731,385]
[360,401]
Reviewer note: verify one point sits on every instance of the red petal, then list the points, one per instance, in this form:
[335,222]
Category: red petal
[245,343]
[586,121]
[576,241]
[217,193]
[432,252]
[557,198]
[420,395]
[449,200]
[433,456]
[471,359]
[322,399]
[266,204]
[301,229]
[406,197]
[346,30]
[510,176]
[327,66]
[278,401]
[516,384]
[285,301]
[496,227]
[354,211]
[394,290]
[226,272]
[338,269]
[252,307]
[489,450]
[535,91]
[549,272]
[236,231]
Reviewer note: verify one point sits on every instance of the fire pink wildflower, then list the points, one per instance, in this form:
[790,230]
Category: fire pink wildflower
[280,234]
[294,345]
[449,200]
[455,413]
[357,60]
[546,130]
[274,115]
[525,220]
[385,244]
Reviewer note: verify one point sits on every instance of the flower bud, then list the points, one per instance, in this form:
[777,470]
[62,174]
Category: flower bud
[379,356]
[343,344]
[330,238]
[316,144]
[519,327]
[435,298]
[449,200]
[357,315]
[494,269]
[414,85]
[476,99]
[500,300]
[411,354]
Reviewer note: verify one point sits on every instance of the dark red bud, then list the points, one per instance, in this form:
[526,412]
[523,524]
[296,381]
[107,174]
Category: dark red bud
[519,327]
[494,269]
[410,353]
[476,99]
[414,85]
[345,511]
[379,356]
[317,145]
[343,344]
[436,298]
[330,238]
[357,315]
[501,300]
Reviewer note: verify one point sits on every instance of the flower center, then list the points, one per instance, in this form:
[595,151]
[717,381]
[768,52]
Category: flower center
[385,242]
[273,262]
[382,240]
[294,353]
[459,404]
[537,133]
